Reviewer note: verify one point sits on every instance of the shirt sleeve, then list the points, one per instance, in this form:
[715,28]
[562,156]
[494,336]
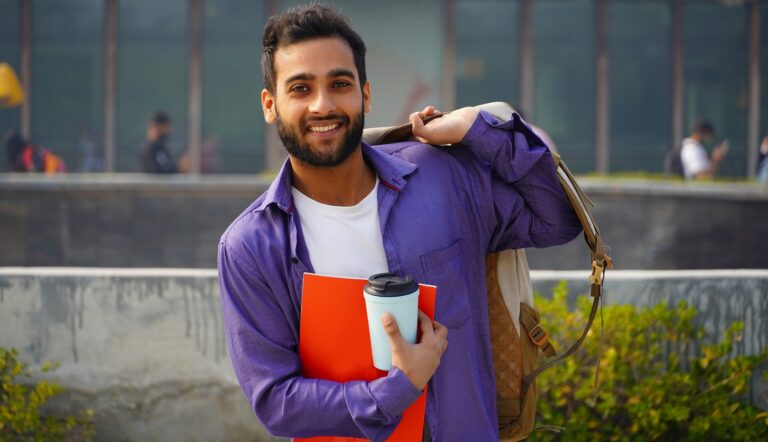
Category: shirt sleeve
[264,355]
[530,208]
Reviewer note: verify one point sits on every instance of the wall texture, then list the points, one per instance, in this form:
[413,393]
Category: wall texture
[142,221]
[145,348]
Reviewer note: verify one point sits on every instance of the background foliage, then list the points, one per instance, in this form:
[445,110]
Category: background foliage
[22,401]
[661,377]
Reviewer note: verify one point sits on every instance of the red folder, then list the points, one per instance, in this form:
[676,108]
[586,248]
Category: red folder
[334,343]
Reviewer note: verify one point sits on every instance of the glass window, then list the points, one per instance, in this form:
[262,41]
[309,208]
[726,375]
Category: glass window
[564,78]
[764,74]
[715,47]
[641,84]
[487,52]
[233,124]
[151,75]
[9,53]
[67,80]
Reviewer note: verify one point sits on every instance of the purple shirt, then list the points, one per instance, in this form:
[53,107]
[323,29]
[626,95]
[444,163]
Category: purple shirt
[441,211]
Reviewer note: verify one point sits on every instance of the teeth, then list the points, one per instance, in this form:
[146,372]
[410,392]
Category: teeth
[321,129]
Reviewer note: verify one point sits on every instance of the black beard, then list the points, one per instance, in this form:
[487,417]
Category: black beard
[303,153]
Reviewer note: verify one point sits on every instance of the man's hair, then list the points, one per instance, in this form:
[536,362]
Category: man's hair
[704,127]
[160,118]
[308,22]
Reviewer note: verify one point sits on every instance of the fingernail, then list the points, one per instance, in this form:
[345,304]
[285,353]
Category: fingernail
[386,319]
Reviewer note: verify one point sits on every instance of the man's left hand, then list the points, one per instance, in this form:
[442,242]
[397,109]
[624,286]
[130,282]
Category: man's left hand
[448,129]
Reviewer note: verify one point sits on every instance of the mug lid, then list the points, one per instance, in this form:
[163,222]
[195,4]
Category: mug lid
[390,285]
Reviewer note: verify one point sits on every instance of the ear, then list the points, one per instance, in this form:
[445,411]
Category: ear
[268,106]
[367,97]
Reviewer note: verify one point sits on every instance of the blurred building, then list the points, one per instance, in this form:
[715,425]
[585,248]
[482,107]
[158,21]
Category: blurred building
[615,82]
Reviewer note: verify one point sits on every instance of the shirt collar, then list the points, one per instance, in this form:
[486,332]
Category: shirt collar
[392,173]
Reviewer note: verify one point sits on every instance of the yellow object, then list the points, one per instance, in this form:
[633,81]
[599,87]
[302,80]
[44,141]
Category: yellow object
[11,93]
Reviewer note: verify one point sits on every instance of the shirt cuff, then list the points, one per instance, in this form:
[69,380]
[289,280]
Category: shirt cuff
[488,132]
[394,392]
[512,142]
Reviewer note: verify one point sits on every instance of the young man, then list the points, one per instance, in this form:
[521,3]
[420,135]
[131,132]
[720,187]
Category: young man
[344,208]
[694,158]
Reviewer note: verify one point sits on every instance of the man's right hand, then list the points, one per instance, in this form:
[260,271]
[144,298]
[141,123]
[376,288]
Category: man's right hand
[417,361]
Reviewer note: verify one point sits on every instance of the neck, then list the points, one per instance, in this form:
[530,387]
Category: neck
[343,185]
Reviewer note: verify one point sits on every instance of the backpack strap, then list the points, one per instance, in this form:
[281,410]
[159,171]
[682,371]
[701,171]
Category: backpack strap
[529,318]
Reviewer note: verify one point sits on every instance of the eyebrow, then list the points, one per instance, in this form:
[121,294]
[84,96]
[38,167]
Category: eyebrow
[303,76]
[341,73]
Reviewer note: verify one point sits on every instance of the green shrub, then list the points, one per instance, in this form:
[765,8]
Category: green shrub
[660,377]
[21,417]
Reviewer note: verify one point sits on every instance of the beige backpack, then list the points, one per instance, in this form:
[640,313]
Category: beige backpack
[516,335]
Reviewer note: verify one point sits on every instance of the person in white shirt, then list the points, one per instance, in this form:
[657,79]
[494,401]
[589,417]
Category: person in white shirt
[762,170]
[696,163]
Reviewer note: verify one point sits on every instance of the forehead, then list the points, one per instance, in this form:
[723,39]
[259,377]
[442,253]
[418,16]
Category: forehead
[315,57]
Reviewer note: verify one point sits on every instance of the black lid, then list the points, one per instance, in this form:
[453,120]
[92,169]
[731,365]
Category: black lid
[389,285]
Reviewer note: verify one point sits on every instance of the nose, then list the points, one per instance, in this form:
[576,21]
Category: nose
[322,103]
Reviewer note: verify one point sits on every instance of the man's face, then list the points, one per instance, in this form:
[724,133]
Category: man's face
[318,103]
[164,129]
[158,131]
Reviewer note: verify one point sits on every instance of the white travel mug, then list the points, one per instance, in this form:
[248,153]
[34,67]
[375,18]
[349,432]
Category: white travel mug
[387,293]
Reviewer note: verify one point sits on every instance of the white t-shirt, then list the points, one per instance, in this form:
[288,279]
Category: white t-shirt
[343,240]
[694,158]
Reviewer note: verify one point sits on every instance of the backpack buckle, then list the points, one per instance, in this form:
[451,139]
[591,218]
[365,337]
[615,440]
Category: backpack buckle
[538,335]
[596,278]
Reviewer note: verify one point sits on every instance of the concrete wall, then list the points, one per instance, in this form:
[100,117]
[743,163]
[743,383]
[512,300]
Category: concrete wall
[143,221]
[145,348]
[672,225]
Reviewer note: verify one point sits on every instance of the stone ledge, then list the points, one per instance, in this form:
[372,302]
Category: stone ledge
[149,343]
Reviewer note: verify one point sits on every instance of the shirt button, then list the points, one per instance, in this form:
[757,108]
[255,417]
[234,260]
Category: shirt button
[295,260]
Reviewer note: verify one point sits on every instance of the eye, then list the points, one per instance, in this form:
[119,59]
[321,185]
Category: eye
[299,88]
[341,83]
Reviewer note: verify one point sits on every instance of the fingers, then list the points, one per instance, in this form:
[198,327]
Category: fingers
[416,121]
[396,341]
[429,110]
[425,323]
[433,333]
[418,128]
[441,335]
[441,331]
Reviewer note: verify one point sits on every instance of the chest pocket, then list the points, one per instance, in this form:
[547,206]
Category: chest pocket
[443,268]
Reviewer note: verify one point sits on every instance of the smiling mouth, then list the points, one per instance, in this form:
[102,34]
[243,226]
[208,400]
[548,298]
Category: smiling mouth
[323,129]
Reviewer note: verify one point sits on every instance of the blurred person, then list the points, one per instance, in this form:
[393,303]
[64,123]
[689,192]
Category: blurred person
[93,160]
[762,169]
[209,157]
[342,207]
[24,156]
[156,158]
[14,144]
[693,157]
